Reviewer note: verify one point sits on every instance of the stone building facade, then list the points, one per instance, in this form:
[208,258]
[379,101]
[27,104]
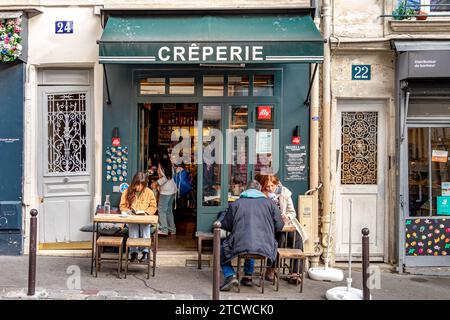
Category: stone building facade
[356,128]
[367,40]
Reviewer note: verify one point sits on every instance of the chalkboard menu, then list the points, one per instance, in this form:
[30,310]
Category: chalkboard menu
[295,163]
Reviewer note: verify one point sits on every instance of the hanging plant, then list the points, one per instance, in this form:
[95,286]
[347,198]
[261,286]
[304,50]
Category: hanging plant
[10,47]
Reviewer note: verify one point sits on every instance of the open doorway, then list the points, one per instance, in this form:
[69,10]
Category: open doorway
[158,124]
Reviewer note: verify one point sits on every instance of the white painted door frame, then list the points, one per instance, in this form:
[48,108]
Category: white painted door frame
[364,196]
[66,197]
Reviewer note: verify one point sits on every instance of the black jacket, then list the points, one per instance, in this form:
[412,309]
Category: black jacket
[252,221]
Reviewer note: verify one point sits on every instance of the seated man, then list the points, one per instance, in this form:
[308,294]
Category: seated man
[252,221]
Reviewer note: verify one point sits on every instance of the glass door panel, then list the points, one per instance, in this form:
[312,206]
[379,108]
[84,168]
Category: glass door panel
[418,175]
[212,157]
[237,149]
[266,137]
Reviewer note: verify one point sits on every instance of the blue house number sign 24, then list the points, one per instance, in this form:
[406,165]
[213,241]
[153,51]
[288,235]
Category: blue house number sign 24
[63,27]
[361,72]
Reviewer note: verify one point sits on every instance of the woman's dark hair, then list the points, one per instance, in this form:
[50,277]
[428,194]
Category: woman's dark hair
[163,153]
[140,178]
[166,166]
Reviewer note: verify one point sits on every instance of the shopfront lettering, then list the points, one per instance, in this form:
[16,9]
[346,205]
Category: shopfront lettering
[196,53]
[425,63]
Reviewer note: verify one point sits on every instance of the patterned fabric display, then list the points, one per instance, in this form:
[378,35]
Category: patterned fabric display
[427,237]
[116,164]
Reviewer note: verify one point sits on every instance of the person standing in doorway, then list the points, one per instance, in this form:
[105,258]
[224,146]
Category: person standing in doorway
[167,190]
[138,197]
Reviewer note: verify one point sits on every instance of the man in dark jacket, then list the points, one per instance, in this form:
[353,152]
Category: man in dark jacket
[252,221]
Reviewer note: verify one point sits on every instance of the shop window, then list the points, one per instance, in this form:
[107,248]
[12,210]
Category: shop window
[184,86]
[152,86]
[429,172]
[359,148]
[263,85]
[213,86]
[238,85]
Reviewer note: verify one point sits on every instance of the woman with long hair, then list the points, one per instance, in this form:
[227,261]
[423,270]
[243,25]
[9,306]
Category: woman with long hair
[167,190]
[273,189]
[138,198]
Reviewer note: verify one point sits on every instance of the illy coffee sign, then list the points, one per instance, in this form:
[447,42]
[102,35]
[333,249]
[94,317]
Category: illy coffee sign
[264,113]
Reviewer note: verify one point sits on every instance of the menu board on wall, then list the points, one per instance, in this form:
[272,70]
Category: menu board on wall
[295,163]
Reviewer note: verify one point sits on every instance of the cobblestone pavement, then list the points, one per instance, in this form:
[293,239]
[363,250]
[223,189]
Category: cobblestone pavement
[69,278]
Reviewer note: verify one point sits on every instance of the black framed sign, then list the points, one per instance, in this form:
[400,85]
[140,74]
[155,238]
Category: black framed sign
[295,168]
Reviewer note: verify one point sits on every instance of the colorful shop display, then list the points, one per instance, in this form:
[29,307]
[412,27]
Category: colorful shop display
[427,237]
[116,164]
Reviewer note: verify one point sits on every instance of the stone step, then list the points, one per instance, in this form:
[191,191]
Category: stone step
[163,258]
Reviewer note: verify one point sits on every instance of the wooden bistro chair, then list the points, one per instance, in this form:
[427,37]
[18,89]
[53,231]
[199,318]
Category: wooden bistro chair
[290,254]
[140,243]
[108,241]
[144,243]
[260,274]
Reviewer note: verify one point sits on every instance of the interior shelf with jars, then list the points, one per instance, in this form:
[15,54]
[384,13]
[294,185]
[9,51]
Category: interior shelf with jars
[171,120]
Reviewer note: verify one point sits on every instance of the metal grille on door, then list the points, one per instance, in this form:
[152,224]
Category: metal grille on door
[359,148]
[67,133]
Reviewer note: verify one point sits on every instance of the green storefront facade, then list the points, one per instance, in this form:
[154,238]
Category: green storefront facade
[138,50]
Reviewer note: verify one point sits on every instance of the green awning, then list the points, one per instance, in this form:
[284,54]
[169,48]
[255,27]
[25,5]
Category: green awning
[219,39]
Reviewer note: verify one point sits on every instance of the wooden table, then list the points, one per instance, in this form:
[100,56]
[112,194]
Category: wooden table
[116,218]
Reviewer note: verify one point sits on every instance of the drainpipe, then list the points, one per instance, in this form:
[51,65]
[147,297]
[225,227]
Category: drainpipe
[314,154]
[326,125]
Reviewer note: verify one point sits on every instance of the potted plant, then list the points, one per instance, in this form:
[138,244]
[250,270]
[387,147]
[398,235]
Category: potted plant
[402,12]
[421,15]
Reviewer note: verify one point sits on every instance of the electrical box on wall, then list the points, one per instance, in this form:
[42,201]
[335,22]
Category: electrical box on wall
[306,216]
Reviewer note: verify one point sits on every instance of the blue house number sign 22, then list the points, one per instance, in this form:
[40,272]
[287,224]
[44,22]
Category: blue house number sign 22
[63,27]
[361,72]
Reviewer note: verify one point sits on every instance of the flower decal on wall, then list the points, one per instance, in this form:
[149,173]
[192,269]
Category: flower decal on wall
[10,47]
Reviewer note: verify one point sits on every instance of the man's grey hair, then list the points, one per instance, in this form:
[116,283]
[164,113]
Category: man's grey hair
[253,185]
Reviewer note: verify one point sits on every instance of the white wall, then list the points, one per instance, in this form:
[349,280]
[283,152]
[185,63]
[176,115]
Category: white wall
[47,49]
[358,19]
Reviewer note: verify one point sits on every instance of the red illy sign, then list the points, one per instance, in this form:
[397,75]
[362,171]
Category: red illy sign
[264,112]
[116,142]
[295,140]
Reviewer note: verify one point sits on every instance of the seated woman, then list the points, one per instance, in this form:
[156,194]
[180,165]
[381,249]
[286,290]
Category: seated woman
[272,188]
[138,198]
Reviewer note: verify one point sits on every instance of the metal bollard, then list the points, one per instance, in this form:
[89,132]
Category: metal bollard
[216,262]
[32,253]
[365,262]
